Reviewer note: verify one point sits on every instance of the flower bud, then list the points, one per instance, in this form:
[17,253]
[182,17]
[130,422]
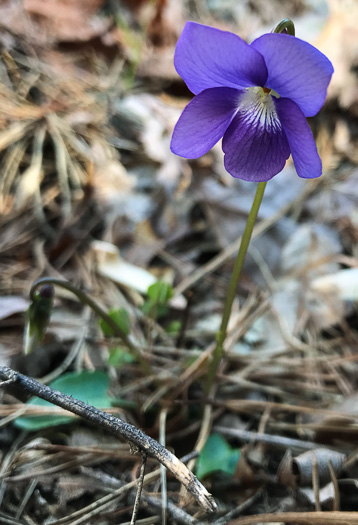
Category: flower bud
[38,316]
[286,26]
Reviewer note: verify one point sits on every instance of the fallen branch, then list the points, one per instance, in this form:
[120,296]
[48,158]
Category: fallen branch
[117,427]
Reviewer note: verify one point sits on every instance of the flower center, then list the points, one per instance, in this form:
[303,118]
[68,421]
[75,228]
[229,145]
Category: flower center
[254,96]
[257,106]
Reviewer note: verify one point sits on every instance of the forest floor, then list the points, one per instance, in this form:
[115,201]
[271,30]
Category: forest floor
[91,194]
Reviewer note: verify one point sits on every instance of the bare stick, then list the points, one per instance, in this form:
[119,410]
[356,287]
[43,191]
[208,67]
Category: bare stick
[258,437]
[139,489]
[117,427]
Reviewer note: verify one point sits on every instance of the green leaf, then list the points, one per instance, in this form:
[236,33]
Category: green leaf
[118,357]
[121,317]
[217,455]
[174,328]
[148,307]
[90,387]
[160,293]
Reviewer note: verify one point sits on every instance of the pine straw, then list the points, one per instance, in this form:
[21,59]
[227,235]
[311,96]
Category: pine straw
[50,117]
[301,518]
[64,110]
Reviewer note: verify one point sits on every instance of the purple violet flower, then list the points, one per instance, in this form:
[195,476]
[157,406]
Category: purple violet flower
[256,97]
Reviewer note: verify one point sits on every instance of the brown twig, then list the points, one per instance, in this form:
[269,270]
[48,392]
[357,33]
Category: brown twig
[301,518]
[117,427]
[139,489]
[268,439]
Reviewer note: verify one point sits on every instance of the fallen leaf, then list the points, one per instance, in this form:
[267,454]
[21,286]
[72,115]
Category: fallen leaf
[12,304]
[111,265]
[67,20]
[302,465]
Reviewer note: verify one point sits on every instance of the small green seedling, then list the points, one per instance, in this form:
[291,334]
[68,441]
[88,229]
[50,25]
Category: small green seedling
[217,455]
[159,294]
[121,317]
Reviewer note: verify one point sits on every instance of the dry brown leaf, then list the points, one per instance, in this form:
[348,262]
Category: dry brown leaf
[47,21]
[244,471]
[165,26]
[163,31]
[339,41]
[67,20]
[300,469]
[285,473]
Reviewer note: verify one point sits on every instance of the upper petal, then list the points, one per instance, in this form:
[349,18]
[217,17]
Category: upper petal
[296,70]
[303,148]
[255,144]
[206,57]
[204,121]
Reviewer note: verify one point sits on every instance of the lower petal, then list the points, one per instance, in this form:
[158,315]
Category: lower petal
[204,121]
[255,144]
[303,148]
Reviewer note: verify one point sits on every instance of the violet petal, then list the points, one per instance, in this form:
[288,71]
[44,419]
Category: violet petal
[206,57]
[255,144]
[303,147]
[296,70]
[204,121]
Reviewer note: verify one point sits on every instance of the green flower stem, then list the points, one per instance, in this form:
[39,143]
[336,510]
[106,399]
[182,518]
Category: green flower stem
[86,299]
[222,333]
[285,26]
